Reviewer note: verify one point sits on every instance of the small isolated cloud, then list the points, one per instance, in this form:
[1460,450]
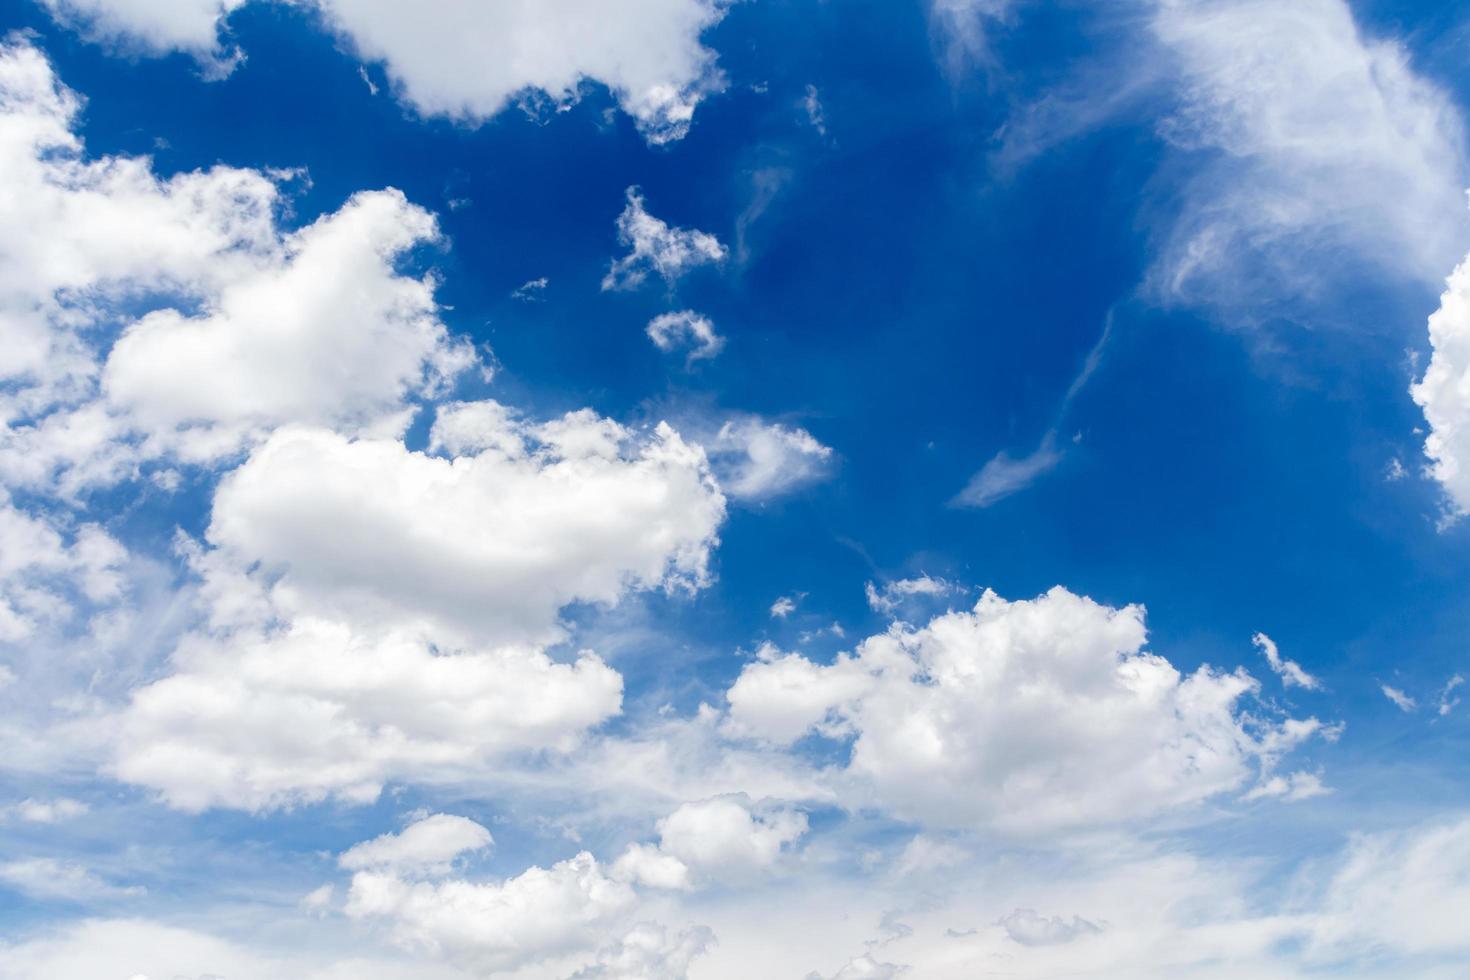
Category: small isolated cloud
[1004,475]
[1289,671]
[1029,928]
[757,460]
[1447,702]
[1399,698]
[864,968]
[685,328]
[532,291]
[427,845]
[783,607]
[653,246]
[815,114]
[887,598]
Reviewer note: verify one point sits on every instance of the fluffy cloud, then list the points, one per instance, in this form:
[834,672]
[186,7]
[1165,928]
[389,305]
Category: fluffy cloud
[685,328]
[756,460]
[649,952]
[46,811]
[44,572]
[469,60]
[496,925]
[394,605]
[727,837]
[1025,716]
[427,845]
[1028,928]
[244,327]
[328,334]
[1444,391]
[653,246]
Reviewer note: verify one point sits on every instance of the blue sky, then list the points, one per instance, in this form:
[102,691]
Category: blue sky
[499,491]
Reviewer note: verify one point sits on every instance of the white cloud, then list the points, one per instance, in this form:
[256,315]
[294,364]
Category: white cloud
[653,246]
[48,879]
[1296,122]
[1291,787]
[649,952]
[783,606]
[232,326]
[394,605]
[469,60]
[532,291]
[45,573]
[494,926]
[427,846]
[1447,702]
[894,594]
[1024,716]
[1028,928]
[153,26]
[1444,391]
[729,835]
[811,101]
[1398,697]
[865,967]
[685,328]
[326,335]
[1289,671]
[47,811]
[1002,476]
[756,460]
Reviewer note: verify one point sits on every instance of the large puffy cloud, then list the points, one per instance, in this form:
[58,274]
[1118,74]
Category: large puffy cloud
[486,546]
[493,926]
[469,60]
[1444,391]
[377,613]
[1023,716]
[245,327]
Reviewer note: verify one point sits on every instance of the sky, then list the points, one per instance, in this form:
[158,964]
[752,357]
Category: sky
[693,489]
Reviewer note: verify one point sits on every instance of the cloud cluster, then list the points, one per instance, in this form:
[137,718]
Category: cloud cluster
[656,247]
[468,60]
[1024,716]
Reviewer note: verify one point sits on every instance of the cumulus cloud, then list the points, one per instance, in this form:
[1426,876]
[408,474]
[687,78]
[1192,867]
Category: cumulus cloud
[685,328]
[428,845]
[756,460]
[1290,787]
[46,570]
[783,606]
[723,838]
[864,967]
[649,952]
[395,605]
[467,60]
[1025,716]
[494,926]
[1289,671]
[1444,391]
[230,326]
[654,246]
